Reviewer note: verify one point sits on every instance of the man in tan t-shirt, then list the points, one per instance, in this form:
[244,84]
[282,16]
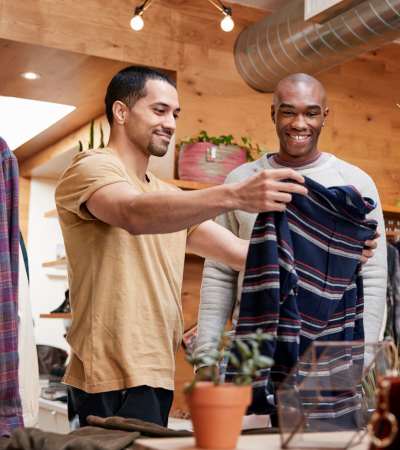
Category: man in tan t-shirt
[125,234]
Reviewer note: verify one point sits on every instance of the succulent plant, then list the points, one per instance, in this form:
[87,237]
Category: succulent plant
[243,353]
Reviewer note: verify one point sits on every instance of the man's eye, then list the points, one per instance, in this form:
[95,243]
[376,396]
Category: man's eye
[159,111]
[287,113]
[312,114]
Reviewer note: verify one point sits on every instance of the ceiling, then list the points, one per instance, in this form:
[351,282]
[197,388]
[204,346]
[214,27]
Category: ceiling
[66,77]
[268,5]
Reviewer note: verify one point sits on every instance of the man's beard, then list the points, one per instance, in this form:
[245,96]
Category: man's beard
[157,149]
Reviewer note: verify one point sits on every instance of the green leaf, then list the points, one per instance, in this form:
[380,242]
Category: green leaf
[229,139]
[101,137]
[264,361]
[243,348]
[234,360]
[91,136]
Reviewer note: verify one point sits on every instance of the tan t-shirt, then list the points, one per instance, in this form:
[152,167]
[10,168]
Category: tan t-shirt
[125,290]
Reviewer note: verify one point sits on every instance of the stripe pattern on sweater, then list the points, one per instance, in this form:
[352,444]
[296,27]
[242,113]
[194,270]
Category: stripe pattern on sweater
[303,284]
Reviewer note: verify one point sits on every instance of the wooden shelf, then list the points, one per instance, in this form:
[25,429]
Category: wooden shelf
[62,262]
[193,256]
[56,316]
[51,213]
[388,209]
[190,185]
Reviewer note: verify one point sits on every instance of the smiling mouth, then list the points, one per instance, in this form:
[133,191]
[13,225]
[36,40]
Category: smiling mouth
[299,137]
[163,136]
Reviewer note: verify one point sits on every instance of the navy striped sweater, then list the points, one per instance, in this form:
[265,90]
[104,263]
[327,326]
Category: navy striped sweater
[302,284]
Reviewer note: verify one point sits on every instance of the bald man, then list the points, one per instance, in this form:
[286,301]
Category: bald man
[299,112]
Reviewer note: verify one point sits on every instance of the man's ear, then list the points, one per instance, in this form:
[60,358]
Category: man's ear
[273,113]
[119,112]
[326,112]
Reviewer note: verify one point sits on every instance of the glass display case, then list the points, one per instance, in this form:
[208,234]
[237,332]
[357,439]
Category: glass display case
[331,389]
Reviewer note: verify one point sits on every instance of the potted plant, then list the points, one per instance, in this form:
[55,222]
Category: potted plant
[91,138]
[217,408]
[209,159]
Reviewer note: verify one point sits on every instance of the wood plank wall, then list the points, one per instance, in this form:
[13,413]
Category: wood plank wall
[185,37]
[182,36]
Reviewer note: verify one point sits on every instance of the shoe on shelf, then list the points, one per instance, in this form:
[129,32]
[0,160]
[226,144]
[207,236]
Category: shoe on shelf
[65,307]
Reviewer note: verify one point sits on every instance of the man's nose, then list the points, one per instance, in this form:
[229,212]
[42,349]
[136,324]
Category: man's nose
[299,122]
[169,122]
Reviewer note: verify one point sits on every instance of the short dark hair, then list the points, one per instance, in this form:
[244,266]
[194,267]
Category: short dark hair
[128,86]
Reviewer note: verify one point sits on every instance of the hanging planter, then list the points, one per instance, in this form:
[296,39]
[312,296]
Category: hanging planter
[209,159]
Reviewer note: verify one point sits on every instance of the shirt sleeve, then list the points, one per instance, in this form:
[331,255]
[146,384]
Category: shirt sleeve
[217,296]
[374,273]
[88,172]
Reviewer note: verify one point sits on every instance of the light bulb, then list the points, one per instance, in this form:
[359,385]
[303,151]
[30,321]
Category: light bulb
[227,23]
[30,75]
[137,23]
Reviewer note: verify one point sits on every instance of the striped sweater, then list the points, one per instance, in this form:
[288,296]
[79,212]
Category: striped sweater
[302,284]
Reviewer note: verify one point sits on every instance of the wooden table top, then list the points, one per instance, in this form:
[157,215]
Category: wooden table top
[321,441]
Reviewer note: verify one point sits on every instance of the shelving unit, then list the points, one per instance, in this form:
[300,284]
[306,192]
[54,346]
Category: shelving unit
[51,213]
[388,209]
[190,185]
[392,214]
[61,263]
[55,316]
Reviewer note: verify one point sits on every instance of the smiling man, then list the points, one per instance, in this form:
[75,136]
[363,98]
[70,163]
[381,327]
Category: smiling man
[125,234]
[299,112]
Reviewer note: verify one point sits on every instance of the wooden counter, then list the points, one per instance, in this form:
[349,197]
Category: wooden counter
[249,442]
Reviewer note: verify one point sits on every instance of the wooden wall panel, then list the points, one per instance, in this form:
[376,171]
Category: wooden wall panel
[182,36]
[190,302]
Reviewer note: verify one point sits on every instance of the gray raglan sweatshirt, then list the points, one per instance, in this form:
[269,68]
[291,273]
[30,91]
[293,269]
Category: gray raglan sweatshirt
[221,286]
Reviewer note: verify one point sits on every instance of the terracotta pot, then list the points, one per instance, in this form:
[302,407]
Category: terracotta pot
[207,163]
[217,413]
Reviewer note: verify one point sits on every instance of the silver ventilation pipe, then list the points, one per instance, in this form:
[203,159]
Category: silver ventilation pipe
[284,43]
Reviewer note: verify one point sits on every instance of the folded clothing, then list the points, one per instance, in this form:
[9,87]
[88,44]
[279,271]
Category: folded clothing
[148,429]
[86,438]
[145,428]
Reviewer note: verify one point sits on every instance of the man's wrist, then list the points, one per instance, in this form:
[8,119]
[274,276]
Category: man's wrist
[232,198]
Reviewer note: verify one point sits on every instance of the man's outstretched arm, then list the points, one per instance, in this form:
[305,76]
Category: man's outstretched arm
[121,205]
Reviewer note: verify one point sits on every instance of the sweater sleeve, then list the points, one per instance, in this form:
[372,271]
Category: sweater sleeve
[374,271]
[219,289]
[374,274]
[217,296]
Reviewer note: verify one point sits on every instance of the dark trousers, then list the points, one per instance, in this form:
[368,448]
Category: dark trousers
[141,402]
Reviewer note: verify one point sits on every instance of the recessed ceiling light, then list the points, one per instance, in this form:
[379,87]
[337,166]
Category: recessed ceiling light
[30,75]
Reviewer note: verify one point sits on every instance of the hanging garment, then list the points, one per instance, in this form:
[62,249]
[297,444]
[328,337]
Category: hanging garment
[28,370]
[302,284]
[10,402]
[393,294]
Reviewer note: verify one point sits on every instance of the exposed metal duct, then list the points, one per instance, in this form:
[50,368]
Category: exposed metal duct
[284,43]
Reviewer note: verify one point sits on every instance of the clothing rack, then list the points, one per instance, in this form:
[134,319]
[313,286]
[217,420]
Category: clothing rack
[393,236]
